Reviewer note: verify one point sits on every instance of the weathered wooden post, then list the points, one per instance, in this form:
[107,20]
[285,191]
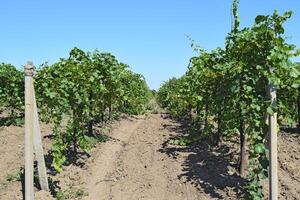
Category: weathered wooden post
[273,159]
[38,148]
[29,191]
[33,139]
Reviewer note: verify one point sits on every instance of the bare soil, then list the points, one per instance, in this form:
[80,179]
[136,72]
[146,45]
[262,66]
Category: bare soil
[139,163]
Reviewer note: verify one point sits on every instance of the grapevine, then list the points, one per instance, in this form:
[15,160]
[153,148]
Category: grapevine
[226,90]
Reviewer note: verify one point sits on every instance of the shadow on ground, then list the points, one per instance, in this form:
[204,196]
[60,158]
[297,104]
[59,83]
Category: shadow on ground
[76,158]
[12,120]
[211,169]
[53,185]
[291,130]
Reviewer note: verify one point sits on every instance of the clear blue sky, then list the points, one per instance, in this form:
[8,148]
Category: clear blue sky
[150,36]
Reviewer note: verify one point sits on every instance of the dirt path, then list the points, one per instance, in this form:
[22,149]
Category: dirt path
[106,160]
[131,166]
[137,163]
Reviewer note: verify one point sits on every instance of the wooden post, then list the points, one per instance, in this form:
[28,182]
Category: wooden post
[29,192]
[38,148]
[273,174]
[298,106]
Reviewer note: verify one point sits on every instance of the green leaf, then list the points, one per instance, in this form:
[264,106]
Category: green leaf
[259,148]
[294,72]
[270,110]
[295,85]
[248,88]
[260,18]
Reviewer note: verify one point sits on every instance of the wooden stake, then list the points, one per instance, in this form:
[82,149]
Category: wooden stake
[273,174]
[29,195]
[38,148]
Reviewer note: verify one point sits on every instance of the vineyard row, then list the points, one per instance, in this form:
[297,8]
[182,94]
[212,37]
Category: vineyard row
[224,93]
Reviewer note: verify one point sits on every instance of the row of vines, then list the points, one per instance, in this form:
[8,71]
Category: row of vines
[74,94]
[224,91]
